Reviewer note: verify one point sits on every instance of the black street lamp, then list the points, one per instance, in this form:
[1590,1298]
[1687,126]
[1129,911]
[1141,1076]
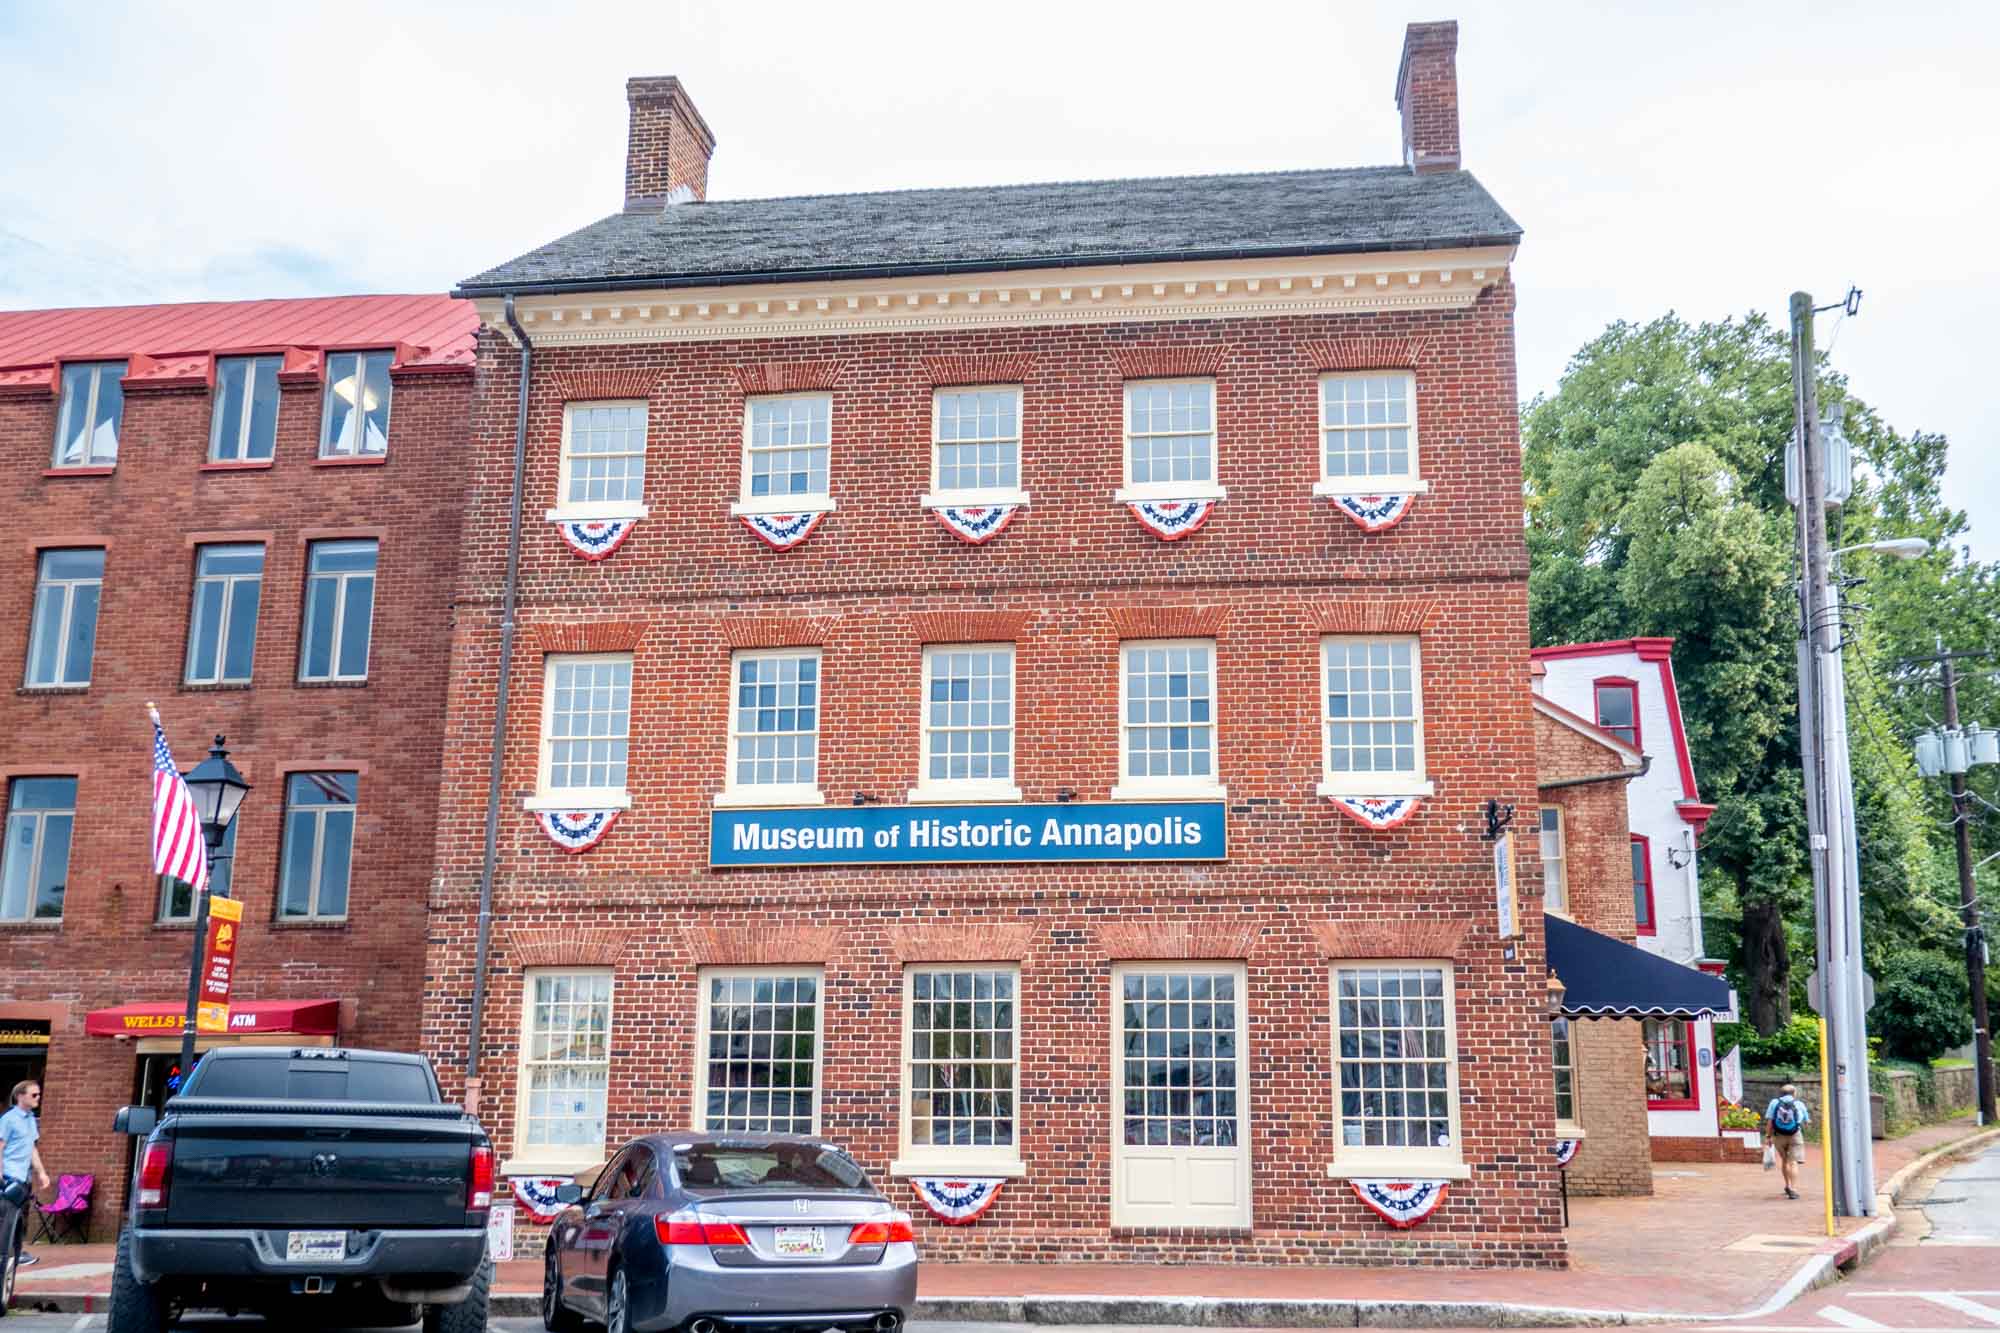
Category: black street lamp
[218,789]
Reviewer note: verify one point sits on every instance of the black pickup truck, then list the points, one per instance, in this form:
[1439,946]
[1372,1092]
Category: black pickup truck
[310,1185]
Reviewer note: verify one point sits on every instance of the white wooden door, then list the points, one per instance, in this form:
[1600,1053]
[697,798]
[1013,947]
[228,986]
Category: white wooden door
[1180,1139]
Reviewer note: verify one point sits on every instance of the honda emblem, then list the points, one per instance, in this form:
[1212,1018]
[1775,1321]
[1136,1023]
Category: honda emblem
[798,1205]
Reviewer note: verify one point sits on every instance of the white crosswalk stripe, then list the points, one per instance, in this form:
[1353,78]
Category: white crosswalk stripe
[1952,1300]
[1833,1314]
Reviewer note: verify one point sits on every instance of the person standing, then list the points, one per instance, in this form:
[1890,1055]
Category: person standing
[20,1159]
[1785,1120]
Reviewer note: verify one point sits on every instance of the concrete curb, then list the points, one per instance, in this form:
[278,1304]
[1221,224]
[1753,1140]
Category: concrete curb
[1819,1269]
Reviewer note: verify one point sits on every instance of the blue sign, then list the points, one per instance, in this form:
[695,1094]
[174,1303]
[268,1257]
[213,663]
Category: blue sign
[968,834]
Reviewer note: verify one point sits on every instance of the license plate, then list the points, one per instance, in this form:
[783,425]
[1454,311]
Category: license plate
[801,1242]
[308,1246]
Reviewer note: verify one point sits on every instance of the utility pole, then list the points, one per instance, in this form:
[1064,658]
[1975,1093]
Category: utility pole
[1968,898]
[1845,1107]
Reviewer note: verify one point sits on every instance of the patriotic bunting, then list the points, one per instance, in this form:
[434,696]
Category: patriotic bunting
[956,1202]
[1566,1150]
[1374,513]
[594,539]
[781,532]
[1402,1203]
[576,830]
[1378,812]
[1171,520]
[538,1196]
[977,524]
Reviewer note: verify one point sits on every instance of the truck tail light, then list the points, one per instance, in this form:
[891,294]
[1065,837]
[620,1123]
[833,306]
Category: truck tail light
[153,1169]
[479,1187]
[882,1233]
[687,1229]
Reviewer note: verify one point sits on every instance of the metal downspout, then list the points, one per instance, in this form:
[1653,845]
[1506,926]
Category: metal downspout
[1645,767]
[491,853]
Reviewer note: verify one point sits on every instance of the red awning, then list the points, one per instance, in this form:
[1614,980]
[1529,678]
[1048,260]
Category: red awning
[306,1018]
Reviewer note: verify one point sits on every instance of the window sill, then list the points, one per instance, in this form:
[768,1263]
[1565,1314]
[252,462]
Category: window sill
[31,925]
[211,686]
[79,471]
[29,691]
[1402,1168]
[1567,1130]
[1333,486]
[331,683]
[237,465]
[552,1166]
[1391,785]
[1204,791]
[775,796]
[1652,1105]
[1170,490]
[351,460]
[970,499]
[580,800]
[784,504]
[967,793]
[1011,1167]
[596,513]
[309,923]
[178,923]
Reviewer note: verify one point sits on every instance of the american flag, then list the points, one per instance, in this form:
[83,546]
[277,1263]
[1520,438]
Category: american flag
[178,849]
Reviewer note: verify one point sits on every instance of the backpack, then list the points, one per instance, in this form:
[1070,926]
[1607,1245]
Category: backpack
[1785,1116]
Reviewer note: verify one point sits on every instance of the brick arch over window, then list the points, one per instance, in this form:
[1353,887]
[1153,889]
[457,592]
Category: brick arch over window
[969,626]
[747,630]
[1165,361]
[716,946]
[788,376]
[595,636]
[1429,938]
[573,386]
[1372,616]
[1365,353]
[1168,622]
[962,942]
[564,946]
[978,368]
[1132,941]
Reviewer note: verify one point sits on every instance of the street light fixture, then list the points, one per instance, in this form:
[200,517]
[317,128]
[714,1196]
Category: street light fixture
[218,791]
[1903,548]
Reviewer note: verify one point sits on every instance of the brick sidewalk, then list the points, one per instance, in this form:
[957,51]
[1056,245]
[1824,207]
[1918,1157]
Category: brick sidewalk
[1693,1247]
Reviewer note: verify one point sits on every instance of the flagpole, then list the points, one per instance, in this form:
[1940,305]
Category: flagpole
[200,941]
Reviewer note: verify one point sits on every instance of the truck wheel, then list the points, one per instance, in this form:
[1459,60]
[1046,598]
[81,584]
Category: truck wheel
[136,1307]
[468,1316]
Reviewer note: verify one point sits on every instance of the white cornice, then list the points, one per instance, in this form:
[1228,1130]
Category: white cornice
[1235,289]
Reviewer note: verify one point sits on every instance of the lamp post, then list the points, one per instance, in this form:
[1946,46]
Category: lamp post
[218,789]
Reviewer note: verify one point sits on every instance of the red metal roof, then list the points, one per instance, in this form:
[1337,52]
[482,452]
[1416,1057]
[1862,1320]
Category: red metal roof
[435,332]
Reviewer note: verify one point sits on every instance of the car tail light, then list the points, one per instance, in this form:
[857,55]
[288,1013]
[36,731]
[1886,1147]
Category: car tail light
[881,1233]
[683,1229]
[479,1188]
[153,1168]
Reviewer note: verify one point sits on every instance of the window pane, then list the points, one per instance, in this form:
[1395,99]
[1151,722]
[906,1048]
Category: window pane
[1392,1048]
[761,1063]
[375,403]
[295,892]
[1372,706]
[81,642]
[1169,723]
[1642,884]
[50,602]
[263,409]
[355,619]
[589,718]
[343,557]
[336,854]
[205,634]
[54,876]
[776,721]
[788,448]
[962,1061]
[19,867]
[978,439]
[968,716]
[44,794]
[1365,426]
[242,639]
[317,659]
[73,425]
[225,431]
[110,407]
[568,1060]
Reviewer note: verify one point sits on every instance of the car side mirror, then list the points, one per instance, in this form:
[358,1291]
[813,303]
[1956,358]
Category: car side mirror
[135,1120]
[568,1192]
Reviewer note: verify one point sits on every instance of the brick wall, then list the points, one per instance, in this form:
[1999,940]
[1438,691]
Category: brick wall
[108,948]
[1270,572]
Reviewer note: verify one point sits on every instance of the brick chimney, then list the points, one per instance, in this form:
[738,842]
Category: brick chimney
[667,148]
[1427,95]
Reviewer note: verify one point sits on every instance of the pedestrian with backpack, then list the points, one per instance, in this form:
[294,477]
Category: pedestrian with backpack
[1785,1120]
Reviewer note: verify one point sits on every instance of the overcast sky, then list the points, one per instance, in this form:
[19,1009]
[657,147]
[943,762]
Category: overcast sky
[1707,161]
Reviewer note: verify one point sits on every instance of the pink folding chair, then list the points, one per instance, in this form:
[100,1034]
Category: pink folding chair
[69,1211]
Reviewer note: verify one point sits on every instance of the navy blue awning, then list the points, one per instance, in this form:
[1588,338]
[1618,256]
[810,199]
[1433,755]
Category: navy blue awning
[1604,977]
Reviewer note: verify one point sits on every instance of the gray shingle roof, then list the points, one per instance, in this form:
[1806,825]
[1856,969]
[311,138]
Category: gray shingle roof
[911,232]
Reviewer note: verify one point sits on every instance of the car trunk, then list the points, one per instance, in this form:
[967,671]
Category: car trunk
[367,1171]
[794,1226]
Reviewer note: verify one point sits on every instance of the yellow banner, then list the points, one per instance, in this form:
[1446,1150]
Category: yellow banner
[218,964]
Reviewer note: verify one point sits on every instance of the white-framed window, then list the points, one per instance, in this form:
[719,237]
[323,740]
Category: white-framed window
[1166,719]
[355,422]
[340,610]
[69,584]
[222,628]
[1562,1057]
[787,452]
[34,861]
[968,723]
[243,420]
[1371,717]
[317,860]
[1396,1068]
[976,446]
[961,1068]
[603,461]
[1555,862]
[565,1068]
[93,402]
[586,728]
[1170,441]
[773,728]
[757,1067]
[1368,433]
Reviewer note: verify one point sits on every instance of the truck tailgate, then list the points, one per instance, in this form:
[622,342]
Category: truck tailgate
[319,1170]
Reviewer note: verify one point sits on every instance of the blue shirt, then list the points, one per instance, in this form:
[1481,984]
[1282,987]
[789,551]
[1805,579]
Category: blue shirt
[18,1131]
[1800,1109]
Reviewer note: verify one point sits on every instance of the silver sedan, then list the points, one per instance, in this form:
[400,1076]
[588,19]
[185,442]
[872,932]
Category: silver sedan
[730,1233]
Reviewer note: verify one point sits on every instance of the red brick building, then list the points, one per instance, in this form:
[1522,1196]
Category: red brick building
[247,513]
[1012,680]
